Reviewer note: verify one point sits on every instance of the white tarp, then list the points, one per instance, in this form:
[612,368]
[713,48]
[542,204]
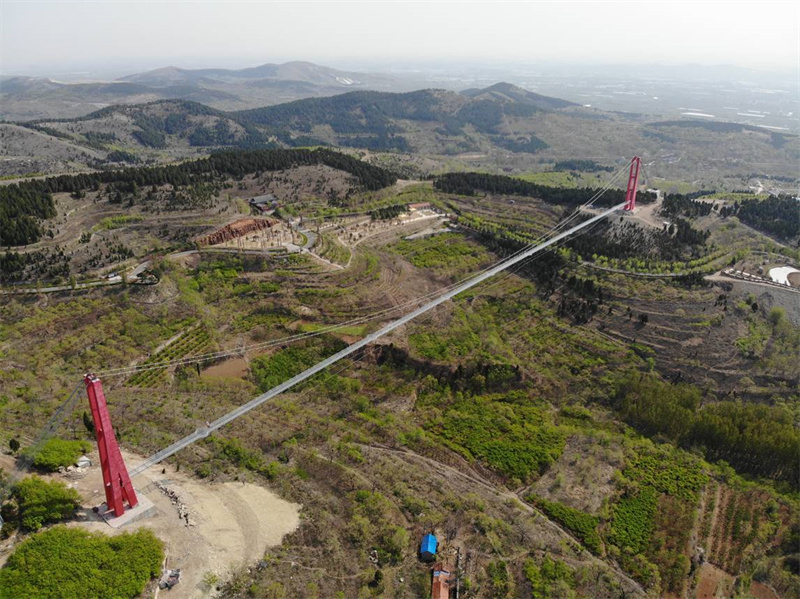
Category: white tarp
[781,274]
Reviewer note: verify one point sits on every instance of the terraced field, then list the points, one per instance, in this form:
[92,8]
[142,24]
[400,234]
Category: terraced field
[189,344]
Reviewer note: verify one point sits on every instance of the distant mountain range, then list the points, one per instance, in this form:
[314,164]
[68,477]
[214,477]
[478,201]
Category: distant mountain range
[30,98]
[298,71]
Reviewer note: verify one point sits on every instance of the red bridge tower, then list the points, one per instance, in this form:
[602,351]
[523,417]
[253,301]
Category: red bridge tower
[116,481]
[633,182]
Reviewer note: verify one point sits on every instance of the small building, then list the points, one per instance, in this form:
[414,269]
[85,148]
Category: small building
[440,588]
[427,549]
[265,203]
[419,206]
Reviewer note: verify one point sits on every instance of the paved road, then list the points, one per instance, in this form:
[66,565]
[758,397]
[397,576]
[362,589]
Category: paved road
[112,281]
[311,238]
[133,276]
[632,273]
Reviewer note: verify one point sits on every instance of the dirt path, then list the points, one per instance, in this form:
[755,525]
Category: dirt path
[714,516]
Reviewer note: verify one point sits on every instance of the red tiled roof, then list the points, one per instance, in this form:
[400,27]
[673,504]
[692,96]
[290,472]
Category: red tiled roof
[440,589]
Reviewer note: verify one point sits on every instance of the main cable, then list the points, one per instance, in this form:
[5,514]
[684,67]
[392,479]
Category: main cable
[204,432]
[128,370]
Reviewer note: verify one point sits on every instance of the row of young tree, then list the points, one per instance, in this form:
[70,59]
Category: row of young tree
[755,439]
[23,203]
[470,184]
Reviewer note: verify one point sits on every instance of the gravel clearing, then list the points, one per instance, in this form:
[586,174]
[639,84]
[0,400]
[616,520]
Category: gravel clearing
[205,526]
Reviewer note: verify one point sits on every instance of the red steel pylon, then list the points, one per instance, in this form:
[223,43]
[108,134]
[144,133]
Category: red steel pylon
[116,481]
[633,182]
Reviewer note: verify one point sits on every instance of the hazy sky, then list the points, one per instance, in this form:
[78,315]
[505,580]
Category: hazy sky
[47,37]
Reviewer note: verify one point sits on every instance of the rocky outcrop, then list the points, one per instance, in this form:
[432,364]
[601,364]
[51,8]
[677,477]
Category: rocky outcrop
[234,230]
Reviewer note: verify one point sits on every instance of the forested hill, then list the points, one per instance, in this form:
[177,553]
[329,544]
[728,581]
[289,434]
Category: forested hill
[158,125]
[374,119]
[23,203]
[372,112]
[363,119]
[512,93]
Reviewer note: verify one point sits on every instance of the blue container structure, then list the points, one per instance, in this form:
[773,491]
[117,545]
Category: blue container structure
[427,549]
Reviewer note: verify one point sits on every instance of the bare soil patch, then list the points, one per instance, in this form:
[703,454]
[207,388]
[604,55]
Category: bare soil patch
[762,591]
[230,523]
[582,477]
[714,583]
[235,367]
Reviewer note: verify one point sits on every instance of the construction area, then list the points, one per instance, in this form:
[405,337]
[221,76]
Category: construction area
[208,529]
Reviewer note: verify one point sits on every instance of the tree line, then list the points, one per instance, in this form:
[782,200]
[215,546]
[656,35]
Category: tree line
[676,204]
[471,183]
[679,241]
[388,212]
[776,138]
[756,439]
[586,166]
[777,215]
[23,203]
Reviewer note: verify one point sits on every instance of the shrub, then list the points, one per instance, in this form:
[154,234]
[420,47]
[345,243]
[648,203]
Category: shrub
[500,582]
[674,473]
[56,453]
[515,440]
[269,371]
[70,562]
[633,520]
[582,524]
[41,502]
[550,580]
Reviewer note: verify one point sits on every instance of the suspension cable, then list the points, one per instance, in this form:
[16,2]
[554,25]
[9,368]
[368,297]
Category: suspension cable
[203,432]
[363,319]
[25,461]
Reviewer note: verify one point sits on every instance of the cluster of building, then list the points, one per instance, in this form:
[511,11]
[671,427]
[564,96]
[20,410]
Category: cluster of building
[443,578]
